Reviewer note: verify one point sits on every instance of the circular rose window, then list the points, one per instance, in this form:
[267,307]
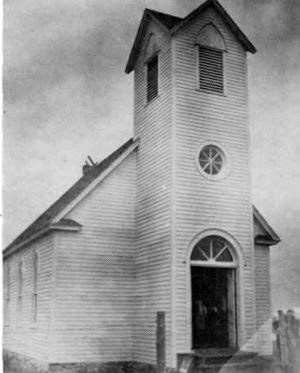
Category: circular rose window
[211,160]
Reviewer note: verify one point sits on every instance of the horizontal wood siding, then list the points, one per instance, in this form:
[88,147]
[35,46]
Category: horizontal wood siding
[223,204]
[152,124]
[20,333]
[94,306]
[263,300]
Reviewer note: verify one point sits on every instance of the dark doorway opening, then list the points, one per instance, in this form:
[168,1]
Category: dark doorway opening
[213,307]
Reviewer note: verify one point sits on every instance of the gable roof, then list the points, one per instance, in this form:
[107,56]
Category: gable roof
[166,21]
[269,237]
[227,19]
[47,219]
[172,24]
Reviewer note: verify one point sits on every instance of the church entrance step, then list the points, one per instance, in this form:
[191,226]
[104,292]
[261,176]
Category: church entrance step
[217,360]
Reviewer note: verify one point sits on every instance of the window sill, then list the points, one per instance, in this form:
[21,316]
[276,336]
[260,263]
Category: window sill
[211,92]
[150,102]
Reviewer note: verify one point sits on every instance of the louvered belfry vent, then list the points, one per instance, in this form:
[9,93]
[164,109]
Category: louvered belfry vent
[211,70]
[152,78]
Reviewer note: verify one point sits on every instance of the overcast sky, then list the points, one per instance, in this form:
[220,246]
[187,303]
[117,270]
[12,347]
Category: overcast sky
[66,96]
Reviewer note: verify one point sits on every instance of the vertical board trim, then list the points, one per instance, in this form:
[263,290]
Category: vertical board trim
[173,208]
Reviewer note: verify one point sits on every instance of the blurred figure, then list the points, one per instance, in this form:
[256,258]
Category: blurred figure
[282,338]
[293,323]
[293,341]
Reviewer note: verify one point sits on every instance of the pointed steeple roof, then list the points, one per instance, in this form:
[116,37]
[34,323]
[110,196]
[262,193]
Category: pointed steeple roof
[172,24]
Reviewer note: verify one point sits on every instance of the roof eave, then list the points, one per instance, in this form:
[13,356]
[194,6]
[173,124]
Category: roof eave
[266,241]
[51,228]
[133,52]
[258,216]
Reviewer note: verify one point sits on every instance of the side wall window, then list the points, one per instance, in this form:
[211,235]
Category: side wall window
[152,78]
[7,282]
[20,291]
[35,287]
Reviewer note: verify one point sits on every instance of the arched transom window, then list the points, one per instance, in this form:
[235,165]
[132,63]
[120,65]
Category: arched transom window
[213,251]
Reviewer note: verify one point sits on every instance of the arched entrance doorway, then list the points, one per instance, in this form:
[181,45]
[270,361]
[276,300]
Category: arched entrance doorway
[213,277]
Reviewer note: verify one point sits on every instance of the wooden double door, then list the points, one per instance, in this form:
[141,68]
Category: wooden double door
[213,307]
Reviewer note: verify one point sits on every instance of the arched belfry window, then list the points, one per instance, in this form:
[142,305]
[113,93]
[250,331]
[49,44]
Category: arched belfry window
[211,48]
[151,61]
[213,251]
[210,36]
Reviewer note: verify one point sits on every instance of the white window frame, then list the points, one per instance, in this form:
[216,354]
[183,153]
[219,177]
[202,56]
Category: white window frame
[226,159]
[20,285]
[238,256]
[211,261]
[35,273]
[7,294]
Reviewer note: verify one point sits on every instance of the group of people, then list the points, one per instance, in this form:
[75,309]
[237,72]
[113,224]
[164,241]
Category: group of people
[286,328]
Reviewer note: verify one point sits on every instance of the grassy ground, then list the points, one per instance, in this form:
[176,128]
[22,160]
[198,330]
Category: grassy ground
[275,369]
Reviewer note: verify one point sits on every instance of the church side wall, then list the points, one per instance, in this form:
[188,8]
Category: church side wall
[201,203]
[21,335]
[263,300]
[94,308]
[152,123]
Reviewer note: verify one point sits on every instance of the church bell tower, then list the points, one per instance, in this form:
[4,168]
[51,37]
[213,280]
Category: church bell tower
[194,210]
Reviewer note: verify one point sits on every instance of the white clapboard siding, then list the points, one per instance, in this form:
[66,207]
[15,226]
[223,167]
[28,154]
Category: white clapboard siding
[263,300]
[200,203]
[152,124]
[20,333]
[94,300]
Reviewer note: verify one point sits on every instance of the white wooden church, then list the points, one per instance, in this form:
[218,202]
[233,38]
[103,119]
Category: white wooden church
[156,256]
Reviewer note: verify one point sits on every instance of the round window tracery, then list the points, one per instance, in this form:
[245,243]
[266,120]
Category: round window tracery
[213,249]
[211,159]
